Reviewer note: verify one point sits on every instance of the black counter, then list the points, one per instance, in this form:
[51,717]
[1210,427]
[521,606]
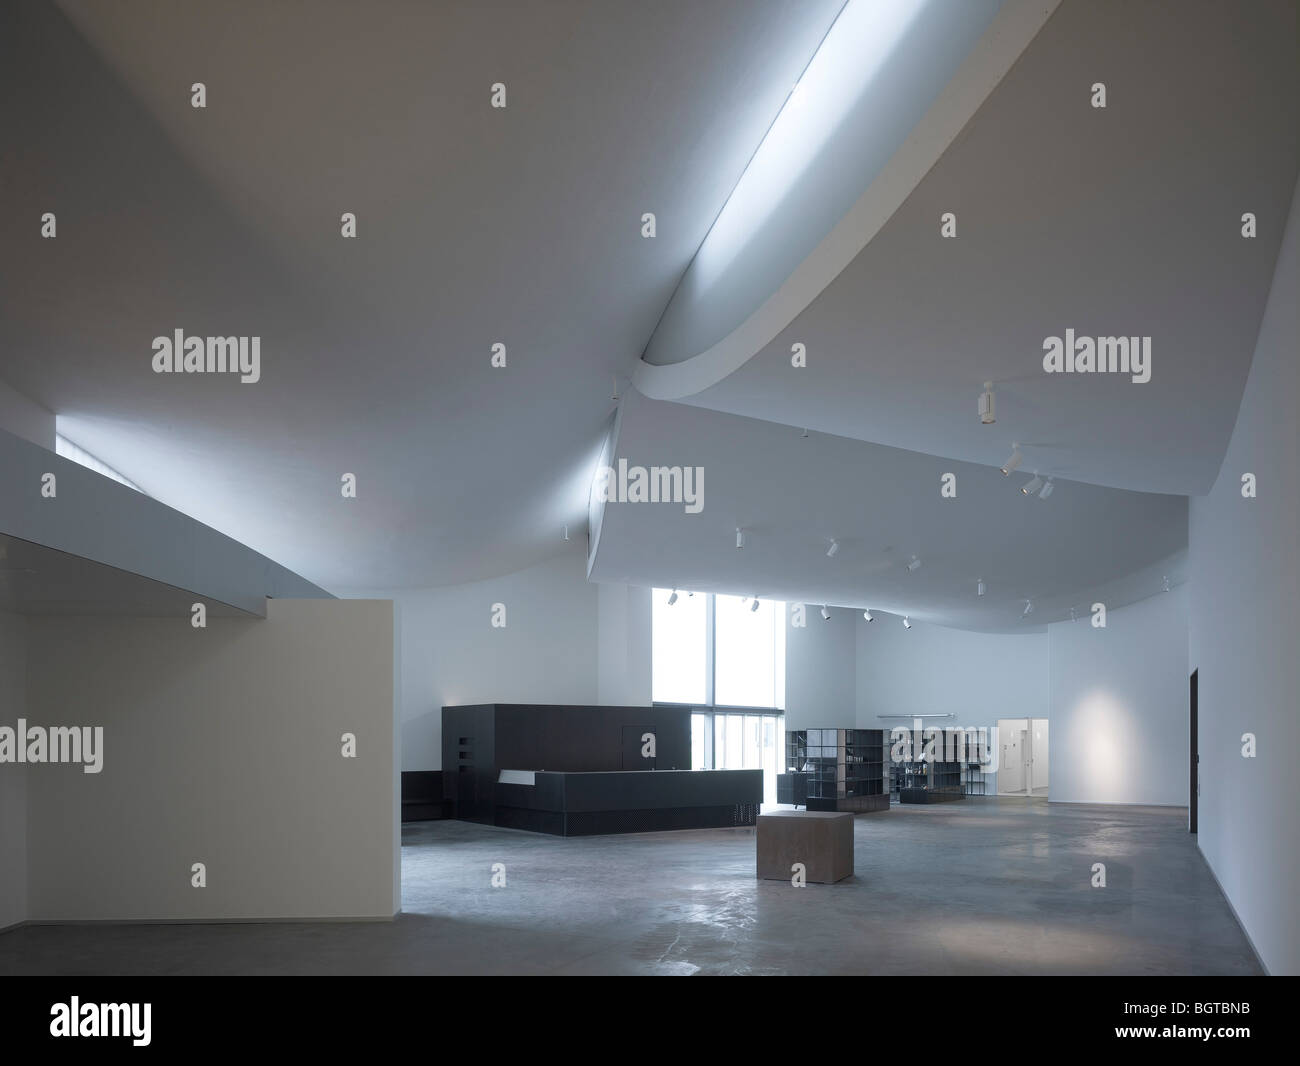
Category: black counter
[631,801]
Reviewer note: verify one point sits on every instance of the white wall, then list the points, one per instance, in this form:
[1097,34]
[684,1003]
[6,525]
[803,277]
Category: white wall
[222,746]
[1119,705]
[623,673]
[1244,623]
[928,669]
[25,418]
[820,670]
[450,653]
[13,778]
[931,669]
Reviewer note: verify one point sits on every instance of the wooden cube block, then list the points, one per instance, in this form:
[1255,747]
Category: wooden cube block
[821,840]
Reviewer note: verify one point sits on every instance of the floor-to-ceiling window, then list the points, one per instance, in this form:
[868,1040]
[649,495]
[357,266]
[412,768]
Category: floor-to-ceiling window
[724,656]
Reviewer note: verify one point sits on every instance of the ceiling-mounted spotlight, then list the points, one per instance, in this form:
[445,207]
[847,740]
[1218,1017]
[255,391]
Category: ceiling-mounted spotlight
[754,606]
[1047,490]
[1072,615]
[1166,583]
[826,612]
[740,537]
[835,546]
[1032,485]
[907,622]
[1029,609]
[673,598]
[1015,460]
[867,615]
[979,587]
[987,415]
[915,564]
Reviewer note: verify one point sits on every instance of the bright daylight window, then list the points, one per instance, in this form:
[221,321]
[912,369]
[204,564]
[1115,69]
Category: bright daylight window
[679,648]
[726,658]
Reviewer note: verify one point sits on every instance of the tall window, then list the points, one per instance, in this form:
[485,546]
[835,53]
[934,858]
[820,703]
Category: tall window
[679,639]
[726,659]
[749,653]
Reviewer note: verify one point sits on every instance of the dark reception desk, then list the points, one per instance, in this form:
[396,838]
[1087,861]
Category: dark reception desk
[627,801]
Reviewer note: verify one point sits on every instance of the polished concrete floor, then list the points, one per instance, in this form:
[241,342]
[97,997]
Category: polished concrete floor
[999,885]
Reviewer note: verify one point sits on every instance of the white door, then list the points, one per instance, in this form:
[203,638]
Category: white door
[1011,765]
[1038,754]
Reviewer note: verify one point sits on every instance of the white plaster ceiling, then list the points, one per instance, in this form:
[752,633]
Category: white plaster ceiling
[522,226]
[1122,221]
[475,226]
[792,495]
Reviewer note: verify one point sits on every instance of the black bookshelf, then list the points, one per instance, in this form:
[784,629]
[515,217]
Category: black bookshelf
[930,782]
[836,770]
[974,778]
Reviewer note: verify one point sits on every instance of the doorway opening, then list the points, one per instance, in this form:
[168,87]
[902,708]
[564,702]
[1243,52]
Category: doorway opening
[1022,756]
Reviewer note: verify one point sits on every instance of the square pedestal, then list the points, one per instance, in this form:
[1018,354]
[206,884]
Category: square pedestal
[821,840]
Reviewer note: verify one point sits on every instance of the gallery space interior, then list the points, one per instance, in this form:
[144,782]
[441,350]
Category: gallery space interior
[713,487]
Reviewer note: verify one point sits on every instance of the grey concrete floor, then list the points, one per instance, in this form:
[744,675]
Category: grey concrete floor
[1000,885]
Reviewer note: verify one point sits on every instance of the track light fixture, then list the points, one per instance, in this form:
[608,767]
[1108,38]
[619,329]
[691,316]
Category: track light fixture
[1013,462]
[1030,487]
[826,612]
[754,606]
[915,564]
[979,587]
[1166,588]
[740,537]
[907,622]
[1047,490]
[835,546]
[987,415]
[673,598]
[1029,609]
[867,616]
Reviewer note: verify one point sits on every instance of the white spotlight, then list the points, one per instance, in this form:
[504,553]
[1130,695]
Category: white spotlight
[1166,584]
[673,598]
[1047,490]
[907,622]
[867,615]
[915,564]
[1029,608]
[826,612]
[979,587]
[754,605]
[740,537]
[835,546]
[1015,460]
[1032,485]
[987,415]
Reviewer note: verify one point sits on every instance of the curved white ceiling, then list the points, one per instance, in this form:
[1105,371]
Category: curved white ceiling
[793,494]
[474,225]
[889,89]
[1117,221]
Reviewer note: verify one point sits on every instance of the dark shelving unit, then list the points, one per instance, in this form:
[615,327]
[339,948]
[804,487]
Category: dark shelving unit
[836,770]
[930,782]
[973,778]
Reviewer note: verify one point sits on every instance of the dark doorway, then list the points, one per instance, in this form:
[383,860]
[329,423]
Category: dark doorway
[1195,764]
